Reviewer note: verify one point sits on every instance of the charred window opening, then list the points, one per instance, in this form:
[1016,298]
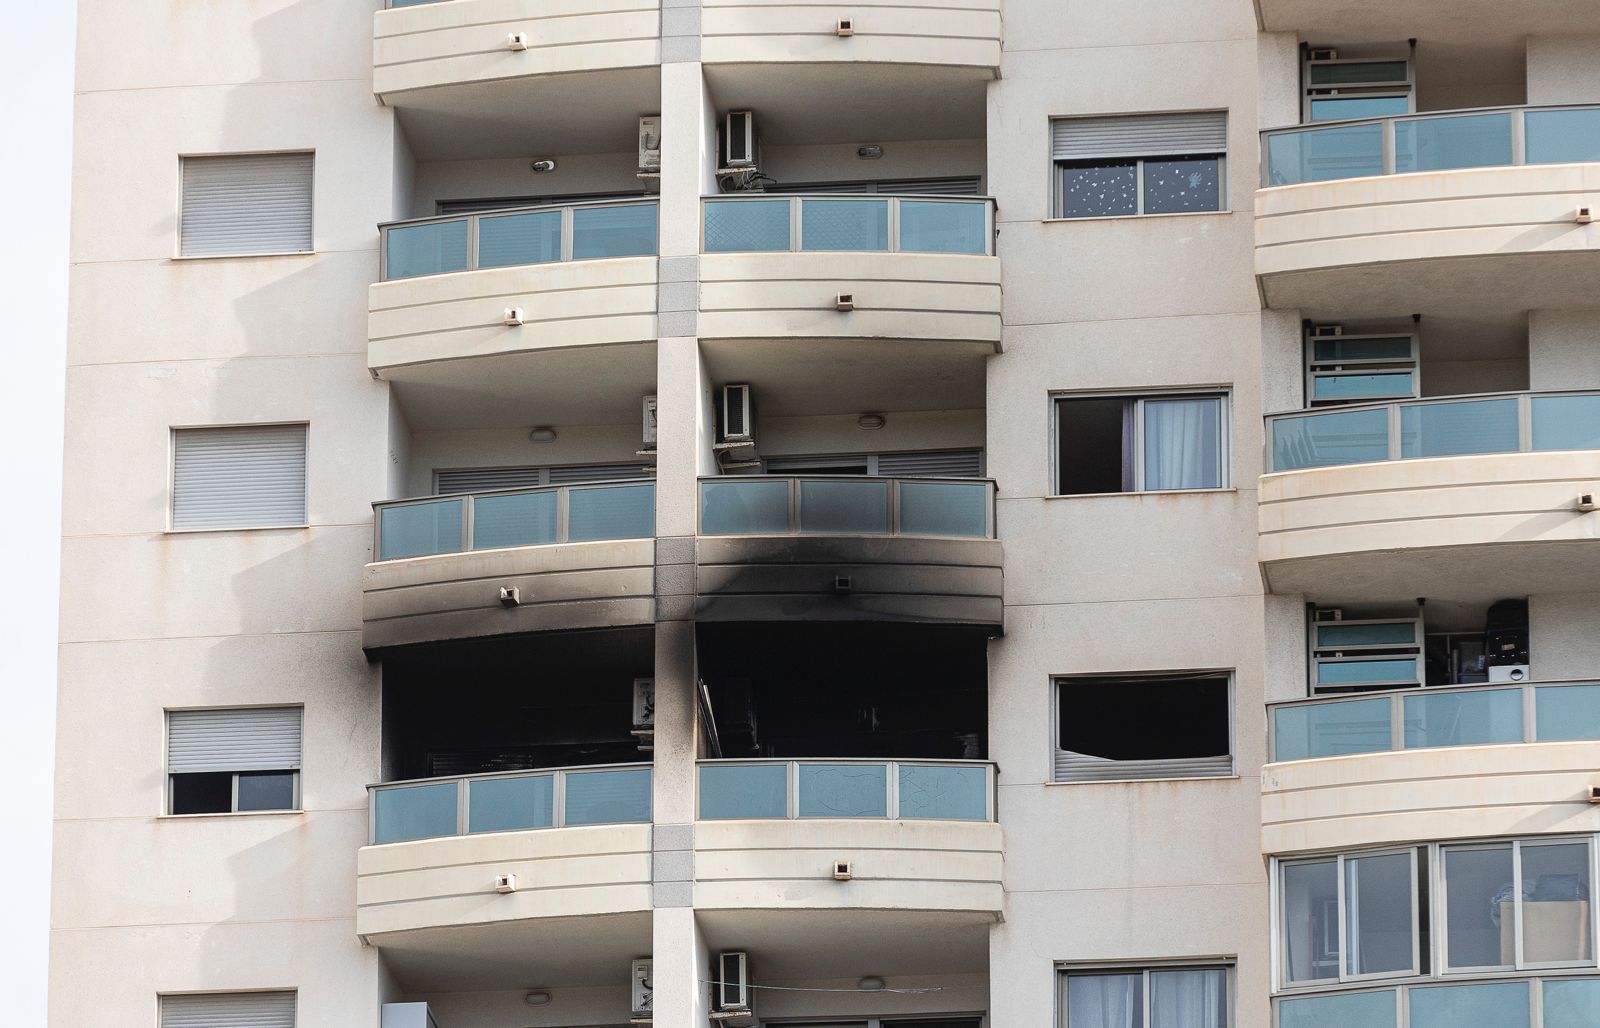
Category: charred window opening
[1144,727]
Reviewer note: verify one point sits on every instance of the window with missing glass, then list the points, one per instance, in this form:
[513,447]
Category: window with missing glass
[1140,164]
[1155,996]
[233,760]
[1125,727]
[1122,443]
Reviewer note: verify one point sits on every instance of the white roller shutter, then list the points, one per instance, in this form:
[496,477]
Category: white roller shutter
[233,739]
[247,476]
[229,1010]
[255,203]
[1140,135]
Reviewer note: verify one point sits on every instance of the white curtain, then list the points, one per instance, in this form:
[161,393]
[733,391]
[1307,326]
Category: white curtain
[1105,1001]
[1182,443]
[1189,999]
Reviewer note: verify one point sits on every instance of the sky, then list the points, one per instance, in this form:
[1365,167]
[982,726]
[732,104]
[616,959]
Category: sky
[36,79]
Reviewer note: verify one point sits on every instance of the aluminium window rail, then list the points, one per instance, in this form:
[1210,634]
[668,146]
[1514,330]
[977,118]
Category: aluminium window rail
[823,788]
[508,801]
[503,518]
[1444,426]
[1486,137]
[847,222]
[516,236]
[1433,717]
[838,505]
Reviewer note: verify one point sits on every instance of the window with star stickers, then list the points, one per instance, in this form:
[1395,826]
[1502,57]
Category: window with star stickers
[1135,165]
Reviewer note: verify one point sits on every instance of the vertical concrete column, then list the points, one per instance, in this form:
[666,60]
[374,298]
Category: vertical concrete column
[682,969]
[1563,69]
[1561,349]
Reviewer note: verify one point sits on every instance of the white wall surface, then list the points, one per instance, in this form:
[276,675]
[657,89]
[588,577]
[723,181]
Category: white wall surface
[1563,69]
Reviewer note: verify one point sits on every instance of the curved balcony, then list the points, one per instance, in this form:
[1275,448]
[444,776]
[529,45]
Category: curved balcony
[510,561]
[579,274]
[815,548]
[435,54]
[1474,497]
[916,836]
[577,841]
[1551,1000]
[1411,765]
[933,33]
[1369,216]
[916,268]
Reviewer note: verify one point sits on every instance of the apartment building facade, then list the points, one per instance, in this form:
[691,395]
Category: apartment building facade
[933,514]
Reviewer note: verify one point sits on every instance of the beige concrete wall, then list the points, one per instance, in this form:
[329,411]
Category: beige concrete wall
[1564,636]
[903,295]
[568,1008]
[912,158]
[1564,69]
[1561,350]
[510,177]
[433,45]
[902,430]
[898,865]
[447,449]
[935,32]
[1462,792]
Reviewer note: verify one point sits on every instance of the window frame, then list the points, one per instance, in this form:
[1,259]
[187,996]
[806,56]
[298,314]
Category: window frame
[293,151]
[1230,674]
[173,528]
[297,799]
[1060,167]
[1342,915]
[1225,448]
[1518,965]
[1387,89]
[1227,965]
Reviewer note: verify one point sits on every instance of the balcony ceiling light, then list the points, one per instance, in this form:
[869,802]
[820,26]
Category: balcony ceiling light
[543,434]
[872,983]
[871,422]
[537,999]
[869,152]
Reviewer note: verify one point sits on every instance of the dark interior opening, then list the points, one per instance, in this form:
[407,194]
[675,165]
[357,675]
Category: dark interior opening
[828,690]
[207,792]
[1145,718]
[513,703]
[1090,452]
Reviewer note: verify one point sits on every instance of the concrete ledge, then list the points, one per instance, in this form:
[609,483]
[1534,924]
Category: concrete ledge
[963,33]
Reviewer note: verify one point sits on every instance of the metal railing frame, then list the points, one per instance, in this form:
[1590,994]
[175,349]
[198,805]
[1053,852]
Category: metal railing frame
[797,224]
[475,219]
[893,510]
[463,784]
[563,505]
[891,782]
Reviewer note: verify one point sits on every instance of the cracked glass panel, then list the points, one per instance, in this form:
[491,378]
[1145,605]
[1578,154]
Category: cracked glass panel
[1182,185]
[1103,189]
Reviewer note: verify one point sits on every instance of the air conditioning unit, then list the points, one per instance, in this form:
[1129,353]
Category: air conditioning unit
[650,144]
[644,705]
[650,420]
[738,143]
[643,989]
[737,426]
[733,981]
[1326,331]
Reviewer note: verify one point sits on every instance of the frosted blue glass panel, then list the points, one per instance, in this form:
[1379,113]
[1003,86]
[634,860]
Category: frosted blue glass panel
[844,790]
[513,239]
[1565,713]
[1383,633]
[611,512]
[1361,1010]
[1183,186]
[1439,144]
[1105,189]
[1322,155]
[741,226]
[943,793]
[410,3]
[936,226]
[1362,386]
[1327,440]
[944,508]
[1332,729]
[1340,108]
[1357,73]
[844,224]
[1563,137]
[751,507]
[1498,1005]
[516,519]
[845,508]
[414,812]
[1566,422]
[1572,1004]
[1358,672]
[628,231]
[743,791]
[1454,429]
[419,529]
[1476,718]
[608,797]
[511,804]
[431,249]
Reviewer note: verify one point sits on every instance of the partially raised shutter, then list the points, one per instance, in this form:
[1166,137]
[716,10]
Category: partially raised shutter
[255,203]
[248,476]
[233,739]
[1080,767]
[932,464]
[451,482]
[229,1010]
[1140,135]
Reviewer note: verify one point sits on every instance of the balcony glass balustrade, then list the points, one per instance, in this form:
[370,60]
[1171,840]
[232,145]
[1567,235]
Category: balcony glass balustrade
[1443,427]
[511,802]
[835,223]
[518,236]
[738,790]
[844,505]
[1441,141]
[514,517]
[1562,1003]
[1434,717]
